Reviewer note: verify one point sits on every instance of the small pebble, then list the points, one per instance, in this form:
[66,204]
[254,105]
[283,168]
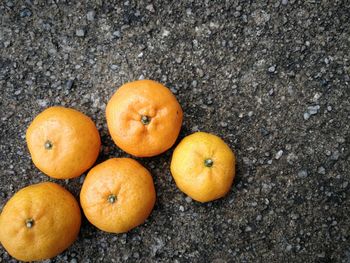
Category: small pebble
[9,4]
[258,218]
[279,154]
[236,14]
[289,248]
[150,8]
[140,55]
[165,33]
[116,33]
[69,84]
[248,229]
[284,2]
[302,174]
[80,32]
[178,60]
[335,155]
[209,101]
[42,103]
[294,216]
[200,73]
[223,124]
[188,199]
[114,67]
[317,96]
[173,90]
[264,132]
[272,69]
[90,15]
[7,43]
[306,116]
[26,13]
[312,110]
[340,140]
[181,208]
[82,178]
[321,170]
[73,260]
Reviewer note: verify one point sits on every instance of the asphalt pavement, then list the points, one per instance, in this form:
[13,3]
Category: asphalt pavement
[269,77]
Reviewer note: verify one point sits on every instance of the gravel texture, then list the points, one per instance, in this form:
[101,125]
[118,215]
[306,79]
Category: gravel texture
[271,78]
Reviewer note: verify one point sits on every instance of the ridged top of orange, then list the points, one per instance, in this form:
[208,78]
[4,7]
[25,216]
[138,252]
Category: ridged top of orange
[144,118]
[117,195]
[39,222]
[63,142]
[203,166]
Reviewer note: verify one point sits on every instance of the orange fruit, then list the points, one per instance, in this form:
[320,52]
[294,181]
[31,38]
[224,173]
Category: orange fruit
[203,166]
[117,195]
[39,222]
[63,142]
[144,118]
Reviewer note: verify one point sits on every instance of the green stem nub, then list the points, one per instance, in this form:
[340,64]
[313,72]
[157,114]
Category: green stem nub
[29,223]
[48,145]
[112,198]
[145,119]
[208,162]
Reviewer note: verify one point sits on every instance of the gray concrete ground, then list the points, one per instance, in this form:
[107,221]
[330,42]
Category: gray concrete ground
[271,78]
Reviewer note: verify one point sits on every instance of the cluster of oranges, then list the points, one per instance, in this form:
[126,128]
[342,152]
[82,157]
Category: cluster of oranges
[144,119]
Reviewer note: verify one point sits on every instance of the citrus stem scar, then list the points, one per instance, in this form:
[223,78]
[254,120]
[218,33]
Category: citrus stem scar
[48,145]
[29,223]
[112,198]
[145,119]
[208,162]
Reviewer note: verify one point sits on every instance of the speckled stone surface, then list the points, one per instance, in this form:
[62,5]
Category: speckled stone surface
[271,78]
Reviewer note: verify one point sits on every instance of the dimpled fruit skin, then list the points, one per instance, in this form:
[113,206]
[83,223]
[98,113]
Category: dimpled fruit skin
[203,183]
[133,188]
[74,138]
[56,216]
[144,98]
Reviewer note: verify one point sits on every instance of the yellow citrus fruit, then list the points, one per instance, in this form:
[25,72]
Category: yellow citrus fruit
[144,118]
[63,142]
[117,195]
[203,166]
[39,222]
